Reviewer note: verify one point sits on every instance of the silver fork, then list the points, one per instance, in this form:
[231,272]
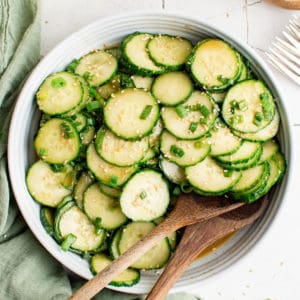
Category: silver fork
[284,54]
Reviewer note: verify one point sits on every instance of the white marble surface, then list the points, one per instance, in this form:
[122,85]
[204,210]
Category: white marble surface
[270,271]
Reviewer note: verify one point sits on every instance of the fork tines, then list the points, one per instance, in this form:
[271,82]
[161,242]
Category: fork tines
[284,54]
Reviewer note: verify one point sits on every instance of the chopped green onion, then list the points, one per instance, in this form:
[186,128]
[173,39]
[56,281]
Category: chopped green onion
[203,121]
[146,112]
[68,242]
[92,106]
[236,120]
[234,103]
[176,151]
[88,76]
[90,121]
[113,181]
[193,126]
[198,144]
[57,167]
[204,111]
[69,180]
[181,111]
[97,224]
[72,66]
[100,137]
[67,130]
[93,92]
[232,110]
[258,117]
[126,81]
[266,106]
[186,187]
[242,105]
[228,173]
[223,79]
[42,152]
[176,191]
[143,195]
[58,82]
[240,119]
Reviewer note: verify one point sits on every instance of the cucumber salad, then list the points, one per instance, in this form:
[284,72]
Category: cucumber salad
[125,130]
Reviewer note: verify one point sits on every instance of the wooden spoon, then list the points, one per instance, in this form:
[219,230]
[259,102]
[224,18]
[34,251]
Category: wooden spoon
[198,237]
[289,4]
[189,209]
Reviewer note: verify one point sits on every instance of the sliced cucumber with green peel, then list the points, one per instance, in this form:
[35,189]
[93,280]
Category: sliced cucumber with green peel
[118,151]
[59,93]
[249,179]
[169,51]
[97,67]
[47,219]
[145,196]
[57,141]
[155,258]
[223,141]
[71,220]
[154,137]
[244,153]
[105,172]
[79,121]
[184,153]
[114,244]
[109,191]
[87,135]
[274,176]
[248,106]
[110,88]
[127,278]
[264,134]
[106,209]
[269,149]
[244,72]
[131,114]
[209,177]
[82,184]
[141,82]
[281,163]
[136,57]
[45,185]
[172,88]
[192,119]
[214,64]
[172,171]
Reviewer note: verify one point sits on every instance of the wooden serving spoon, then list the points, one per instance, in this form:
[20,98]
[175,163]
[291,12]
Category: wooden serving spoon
[189,209]
[289,4]
[198,237]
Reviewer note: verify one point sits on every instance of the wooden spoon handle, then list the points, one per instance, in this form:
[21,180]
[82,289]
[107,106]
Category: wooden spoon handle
[99,282]
[193,242]
[289,4]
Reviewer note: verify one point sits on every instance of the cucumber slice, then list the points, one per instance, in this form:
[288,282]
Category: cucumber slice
[97,205]
[214,64]
[58,86]
[131,114]
[244,165]
[97,67]
[223,142]
[82,184]
[209,177]
[150,154]
[249,179]
[110,88]
[145,196]
[79,121]
[281,164]
[45,185]
[199,109]
[264,134]
[172,88]
[128,278]
[114,244]
[169,51]
[274,176]
[244,153]
[154,137]
[71,220]
[107,173]
[47,219]
[109,191]
[156,258]
[118,151]
[244,72]
[57,141]
[141,82]
[173,172]
[269,149]
[184,153]
[248,106]
[254,193]
[135,55]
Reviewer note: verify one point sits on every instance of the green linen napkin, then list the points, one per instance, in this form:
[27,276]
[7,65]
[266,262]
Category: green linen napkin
[27,271]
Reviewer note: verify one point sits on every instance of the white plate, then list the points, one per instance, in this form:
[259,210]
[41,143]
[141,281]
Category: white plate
[24,123]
